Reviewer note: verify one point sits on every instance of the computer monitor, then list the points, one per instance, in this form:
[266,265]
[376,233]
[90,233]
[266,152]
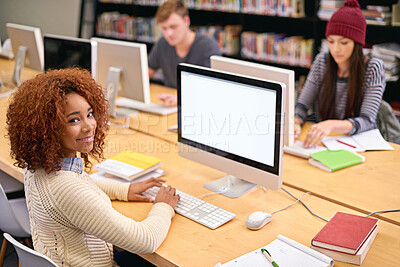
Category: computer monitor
[233,123]
[123,69]
[268,73]
[63,52]
[27,46]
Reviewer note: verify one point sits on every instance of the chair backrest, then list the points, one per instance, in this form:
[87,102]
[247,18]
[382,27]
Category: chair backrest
[9,183]
[9,223]
[29,257]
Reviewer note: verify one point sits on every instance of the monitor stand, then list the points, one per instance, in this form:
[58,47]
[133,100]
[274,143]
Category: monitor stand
[230,186]
[19,64]
[111,92]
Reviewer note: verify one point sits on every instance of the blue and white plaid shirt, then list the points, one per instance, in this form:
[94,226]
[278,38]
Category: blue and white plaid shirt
[72,164]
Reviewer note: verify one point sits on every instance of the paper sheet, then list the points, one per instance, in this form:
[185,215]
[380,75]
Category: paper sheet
[102,176]
[369,140]
[285,252]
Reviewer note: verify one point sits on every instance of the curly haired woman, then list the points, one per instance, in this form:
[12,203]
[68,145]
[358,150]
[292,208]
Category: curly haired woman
[51,119]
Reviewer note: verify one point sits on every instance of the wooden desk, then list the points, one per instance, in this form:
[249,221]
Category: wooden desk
[191,244]
[368,187]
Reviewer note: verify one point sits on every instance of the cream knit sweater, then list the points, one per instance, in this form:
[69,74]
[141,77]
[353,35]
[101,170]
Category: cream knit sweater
[73,222]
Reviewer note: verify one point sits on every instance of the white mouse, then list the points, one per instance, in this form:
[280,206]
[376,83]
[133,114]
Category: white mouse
[258,219]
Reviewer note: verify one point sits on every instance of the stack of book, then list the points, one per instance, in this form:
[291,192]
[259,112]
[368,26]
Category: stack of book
[377,15]
[277,48]
[346,237]
[129,165]
[390,55]
[228,37]
[328,7]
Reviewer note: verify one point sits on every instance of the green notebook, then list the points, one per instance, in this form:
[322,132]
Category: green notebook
[333,160]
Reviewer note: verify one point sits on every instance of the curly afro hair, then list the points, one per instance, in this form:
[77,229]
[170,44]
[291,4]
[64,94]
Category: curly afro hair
[36,119]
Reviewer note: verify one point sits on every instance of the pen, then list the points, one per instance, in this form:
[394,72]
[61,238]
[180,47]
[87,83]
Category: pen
[345,143]
[268,256]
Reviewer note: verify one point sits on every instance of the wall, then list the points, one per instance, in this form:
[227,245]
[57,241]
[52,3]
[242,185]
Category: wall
[51,16]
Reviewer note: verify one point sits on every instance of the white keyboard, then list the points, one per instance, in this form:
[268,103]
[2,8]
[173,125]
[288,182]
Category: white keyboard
[297,149]
[151,107]
[197,210]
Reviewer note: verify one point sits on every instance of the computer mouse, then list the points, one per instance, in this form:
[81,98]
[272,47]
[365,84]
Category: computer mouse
[258,219]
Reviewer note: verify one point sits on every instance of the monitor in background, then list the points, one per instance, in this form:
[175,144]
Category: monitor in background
[123,70]
[27,46]
[233,123]
[268,73]
[63,52]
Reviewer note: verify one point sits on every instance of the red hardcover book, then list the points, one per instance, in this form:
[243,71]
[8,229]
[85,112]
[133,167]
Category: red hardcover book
[345,233]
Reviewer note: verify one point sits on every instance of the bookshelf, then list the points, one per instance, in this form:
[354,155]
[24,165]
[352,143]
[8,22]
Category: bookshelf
[309,26]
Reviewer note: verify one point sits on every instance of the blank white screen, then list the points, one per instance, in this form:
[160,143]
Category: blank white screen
[233,117]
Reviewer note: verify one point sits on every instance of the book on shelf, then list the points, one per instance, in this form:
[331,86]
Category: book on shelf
[378,8]
[388,48]
[129,165]
[334,160]
[357,258]
[345,233]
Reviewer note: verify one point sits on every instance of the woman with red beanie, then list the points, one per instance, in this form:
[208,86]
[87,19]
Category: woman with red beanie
[344,86]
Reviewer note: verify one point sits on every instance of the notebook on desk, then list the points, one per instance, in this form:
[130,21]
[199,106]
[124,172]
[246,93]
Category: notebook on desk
[285,252]
[368,140]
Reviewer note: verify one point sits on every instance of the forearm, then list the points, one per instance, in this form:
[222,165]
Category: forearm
[341,126]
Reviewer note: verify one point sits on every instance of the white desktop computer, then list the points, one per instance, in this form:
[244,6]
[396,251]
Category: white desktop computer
[233,123]
[27,46]
[66,52]
[123,69]
[268,73]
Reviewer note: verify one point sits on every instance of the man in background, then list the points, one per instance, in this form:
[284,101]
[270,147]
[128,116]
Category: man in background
[179,44]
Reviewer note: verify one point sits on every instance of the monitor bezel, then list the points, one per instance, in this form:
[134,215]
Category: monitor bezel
[75,40]
[275,169]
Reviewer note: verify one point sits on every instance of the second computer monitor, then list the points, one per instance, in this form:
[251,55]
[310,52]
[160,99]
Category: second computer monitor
[31,39]
[269,73]
[131,60]
[63,52]
[233,123]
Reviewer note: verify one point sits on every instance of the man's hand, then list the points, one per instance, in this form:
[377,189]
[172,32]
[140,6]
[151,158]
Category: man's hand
[168,99]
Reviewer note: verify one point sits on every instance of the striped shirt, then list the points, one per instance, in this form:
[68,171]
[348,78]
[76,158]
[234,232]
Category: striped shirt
[374,86]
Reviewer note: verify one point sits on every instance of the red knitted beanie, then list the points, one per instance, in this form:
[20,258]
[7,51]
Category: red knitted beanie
[349,22]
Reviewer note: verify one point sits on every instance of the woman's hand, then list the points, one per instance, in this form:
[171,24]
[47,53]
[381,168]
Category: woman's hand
[167,195]
[135,189]
[317,132]
[297,127]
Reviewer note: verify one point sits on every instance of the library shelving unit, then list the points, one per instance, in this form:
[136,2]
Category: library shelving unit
[309,26]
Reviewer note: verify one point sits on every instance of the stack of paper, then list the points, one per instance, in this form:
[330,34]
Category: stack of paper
[129,165]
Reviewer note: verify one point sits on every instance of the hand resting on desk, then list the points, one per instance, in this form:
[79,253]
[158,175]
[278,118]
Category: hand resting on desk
[168,99]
